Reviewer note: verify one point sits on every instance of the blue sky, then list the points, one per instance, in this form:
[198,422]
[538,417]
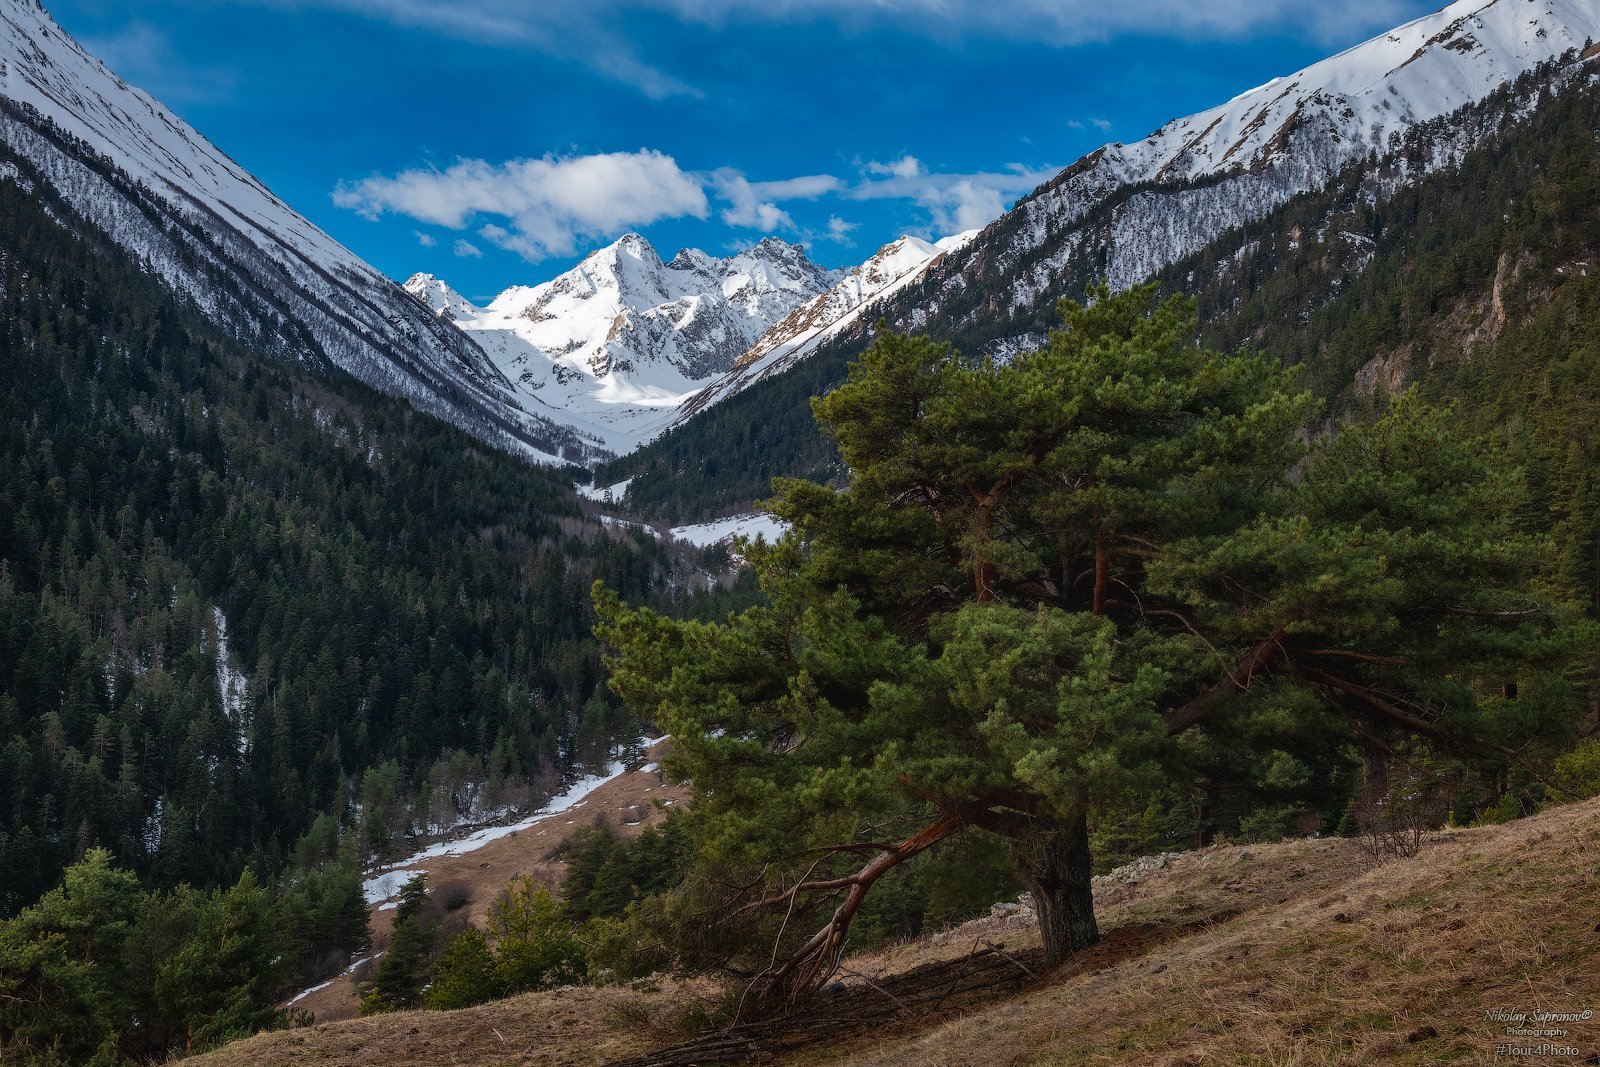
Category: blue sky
[495,142]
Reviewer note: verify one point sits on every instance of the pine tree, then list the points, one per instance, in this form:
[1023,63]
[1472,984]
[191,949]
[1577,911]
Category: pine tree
[465,974]
[534,946]
[1042,574]
[402,974]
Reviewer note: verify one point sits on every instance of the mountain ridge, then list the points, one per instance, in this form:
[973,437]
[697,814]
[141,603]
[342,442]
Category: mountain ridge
[1217,169]
[213,232]
[997,293]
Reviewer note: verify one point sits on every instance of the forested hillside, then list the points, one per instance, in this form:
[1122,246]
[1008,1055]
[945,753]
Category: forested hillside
[235,595]
[1476,285]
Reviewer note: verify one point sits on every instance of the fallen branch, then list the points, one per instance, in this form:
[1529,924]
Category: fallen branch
[1006,955]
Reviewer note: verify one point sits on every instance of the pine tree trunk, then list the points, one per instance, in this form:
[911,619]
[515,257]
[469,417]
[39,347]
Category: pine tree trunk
[1056,868]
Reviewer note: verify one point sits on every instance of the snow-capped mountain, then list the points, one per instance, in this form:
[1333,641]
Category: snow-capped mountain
[209,230]
[621,341]
[625,345]
[1126,211]
[602,358]
[842,307]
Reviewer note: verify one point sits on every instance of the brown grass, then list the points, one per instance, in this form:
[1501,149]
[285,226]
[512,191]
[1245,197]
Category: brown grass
[1299,953]
[1396,964]
[626,803]
[560,1028]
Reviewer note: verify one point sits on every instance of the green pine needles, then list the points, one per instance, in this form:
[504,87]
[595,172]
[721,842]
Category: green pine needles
[1053,586]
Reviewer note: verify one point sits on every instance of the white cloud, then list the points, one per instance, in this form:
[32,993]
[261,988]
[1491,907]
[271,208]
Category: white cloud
[548,206]
[967,205]
[1063,22]
[839,230]
[904,167]
[1103,125]
[955,202]
[745,206]
[538,208]
[753,205]
[426,240]
[567,29]
[586,30]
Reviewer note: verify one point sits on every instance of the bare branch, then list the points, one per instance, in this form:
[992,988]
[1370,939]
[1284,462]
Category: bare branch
[811,964]
[1006,955]
[1386,704]
[1363,657]
[1238,680]
[1479,613]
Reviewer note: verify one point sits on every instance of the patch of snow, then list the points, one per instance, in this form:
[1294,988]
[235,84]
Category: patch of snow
[612,520]
[605,494]
[232,685]
[725,530]
[385,884]
[152,828]
[298,997]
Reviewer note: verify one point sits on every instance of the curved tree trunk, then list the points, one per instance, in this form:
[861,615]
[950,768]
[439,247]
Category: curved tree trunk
[1056,867]
[782,986]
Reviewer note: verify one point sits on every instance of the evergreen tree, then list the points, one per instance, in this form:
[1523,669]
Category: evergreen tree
[466,973]
[534,946]
[1014,614]
[402,974]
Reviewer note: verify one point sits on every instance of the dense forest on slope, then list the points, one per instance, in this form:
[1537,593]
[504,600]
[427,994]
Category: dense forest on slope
[236,594]
[726,456]
[1375,263]
[1474,284]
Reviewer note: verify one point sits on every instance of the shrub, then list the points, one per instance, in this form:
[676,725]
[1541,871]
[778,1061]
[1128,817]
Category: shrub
[466,973]
[1578,772]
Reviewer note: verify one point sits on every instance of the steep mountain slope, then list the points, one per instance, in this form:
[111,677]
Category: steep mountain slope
[1128,212]
[619,342]
[813,325]
[210,231]
[240,597]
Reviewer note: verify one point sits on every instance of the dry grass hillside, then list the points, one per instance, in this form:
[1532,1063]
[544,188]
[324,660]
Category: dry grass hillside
[1303,952]
[629,803]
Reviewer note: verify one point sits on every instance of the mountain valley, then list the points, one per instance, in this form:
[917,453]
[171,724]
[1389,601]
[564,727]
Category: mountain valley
[1184,647]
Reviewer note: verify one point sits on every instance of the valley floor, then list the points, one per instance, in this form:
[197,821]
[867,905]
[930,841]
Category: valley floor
[629,802]
[1299,953]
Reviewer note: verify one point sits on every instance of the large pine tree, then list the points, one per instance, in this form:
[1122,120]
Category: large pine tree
[1043,575]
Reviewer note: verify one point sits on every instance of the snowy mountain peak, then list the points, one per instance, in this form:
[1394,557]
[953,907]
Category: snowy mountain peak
[1126,211]
[629,246]
[1351,104]
[692,259]
[622,338]
[842,307]
[439,297]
